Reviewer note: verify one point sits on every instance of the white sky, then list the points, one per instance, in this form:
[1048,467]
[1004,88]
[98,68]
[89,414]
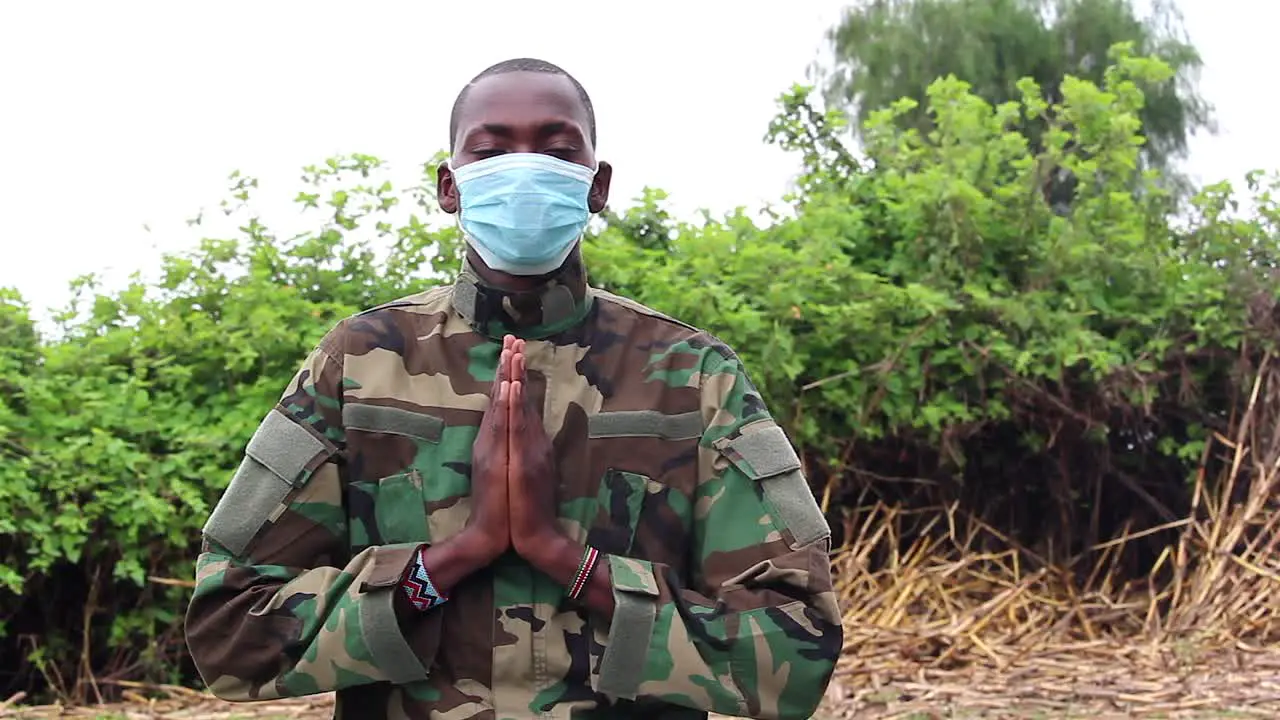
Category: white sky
[123,114]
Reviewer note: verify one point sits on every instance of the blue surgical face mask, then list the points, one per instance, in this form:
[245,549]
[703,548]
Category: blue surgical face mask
[523,213]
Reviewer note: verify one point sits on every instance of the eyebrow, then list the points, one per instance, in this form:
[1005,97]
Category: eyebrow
[550,128]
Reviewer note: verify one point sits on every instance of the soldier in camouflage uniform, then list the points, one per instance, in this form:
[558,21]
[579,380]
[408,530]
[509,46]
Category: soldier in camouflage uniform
[518,496]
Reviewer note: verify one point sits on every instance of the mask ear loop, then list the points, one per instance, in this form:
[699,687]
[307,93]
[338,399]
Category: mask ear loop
[457,216]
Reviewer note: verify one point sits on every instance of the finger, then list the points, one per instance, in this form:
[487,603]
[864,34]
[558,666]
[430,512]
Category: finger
[515,457]
[495,416]
[514,407]
[501,403]
[508,427]
[503,371]
[517,351]
[500,417]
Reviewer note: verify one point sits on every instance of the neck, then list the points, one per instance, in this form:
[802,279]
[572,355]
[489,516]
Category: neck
[505,281]
[534,307]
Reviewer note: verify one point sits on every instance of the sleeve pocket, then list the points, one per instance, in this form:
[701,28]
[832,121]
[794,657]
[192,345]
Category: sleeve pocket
[764,454]
[281,456]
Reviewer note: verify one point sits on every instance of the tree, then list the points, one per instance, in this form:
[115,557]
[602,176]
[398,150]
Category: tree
[884,50]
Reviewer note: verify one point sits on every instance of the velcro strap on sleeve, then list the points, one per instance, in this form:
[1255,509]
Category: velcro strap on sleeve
[286,448]
[281,456]
[253,495]
[764,454]
[635,594]
[633,576]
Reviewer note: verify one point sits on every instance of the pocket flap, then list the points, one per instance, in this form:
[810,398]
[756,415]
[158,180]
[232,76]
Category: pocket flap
[286,448]
[762,453]
[633,576]
[765,455]
[645,423]
[393,421]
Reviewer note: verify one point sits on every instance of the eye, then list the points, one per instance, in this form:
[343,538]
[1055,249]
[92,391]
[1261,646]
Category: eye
[563,153]
[487,152]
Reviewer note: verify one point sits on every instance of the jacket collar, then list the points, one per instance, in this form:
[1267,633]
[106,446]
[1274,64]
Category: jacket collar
[562,301]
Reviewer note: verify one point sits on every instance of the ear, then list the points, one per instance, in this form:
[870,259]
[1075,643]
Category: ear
[599,195]
[446,189]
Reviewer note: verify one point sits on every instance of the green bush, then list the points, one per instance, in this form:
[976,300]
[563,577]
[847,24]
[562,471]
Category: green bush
[918,312]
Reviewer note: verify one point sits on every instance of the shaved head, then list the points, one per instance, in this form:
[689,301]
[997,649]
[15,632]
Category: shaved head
[521,65]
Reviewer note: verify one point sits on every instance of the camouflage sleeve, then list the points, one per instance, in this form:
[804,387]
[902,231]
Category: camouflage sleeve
[756,630]
[280,607]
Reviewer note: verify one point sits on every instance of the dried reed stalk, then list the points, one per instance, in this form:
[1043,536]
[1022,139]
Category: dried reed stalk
[941,623]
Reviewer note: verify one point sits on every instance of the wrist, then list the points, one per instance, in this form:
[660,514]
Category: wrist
[418,586]
[550,551]
[477,547]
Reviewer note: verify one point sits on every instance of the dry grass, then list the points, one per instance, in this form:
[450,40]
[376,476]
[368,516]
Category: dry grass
[944,623]
[169,702]
[939,626]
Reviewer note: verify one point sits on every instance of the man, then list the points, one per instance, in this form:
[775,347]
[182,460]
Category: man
[518,496]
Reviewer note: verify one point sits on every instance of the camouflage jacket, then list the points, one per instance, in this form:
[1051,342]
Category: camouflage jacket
[669,463]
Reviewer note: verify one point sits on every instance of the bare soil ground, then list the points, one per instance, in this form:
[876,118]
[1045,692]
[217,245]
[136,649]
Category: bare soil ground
[1094,682]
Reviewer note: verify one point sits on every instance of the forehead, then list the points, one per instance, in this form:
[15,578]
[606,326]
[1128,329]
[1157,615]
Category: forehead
[522,99]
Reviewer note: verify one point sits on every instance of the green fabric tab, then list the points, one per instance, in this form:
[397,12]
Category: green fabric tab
[633,575]
[285,447]
[399,511]
[381,632]
[766,452]
[645,423]
[249,500]
[796,507]
[393,421]
[630,633]
[767,457]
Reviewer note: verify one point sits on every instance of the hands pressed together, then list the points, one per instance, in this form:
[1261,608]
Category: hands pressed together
[514,499]
[514,496]
[513,474]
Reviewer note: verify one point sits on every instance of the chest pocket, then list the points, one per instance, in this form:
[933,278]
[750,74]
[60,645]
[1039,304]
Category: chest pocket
[642,507]
[404,487]
[619,503]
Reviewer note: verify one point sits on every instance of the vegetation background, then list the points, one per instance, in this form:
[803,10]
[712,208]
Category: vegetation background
[1029,364]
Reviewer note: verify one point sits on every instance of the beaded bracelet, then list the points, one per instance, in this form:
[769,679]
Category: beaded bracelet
[417,584]
[589,559]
